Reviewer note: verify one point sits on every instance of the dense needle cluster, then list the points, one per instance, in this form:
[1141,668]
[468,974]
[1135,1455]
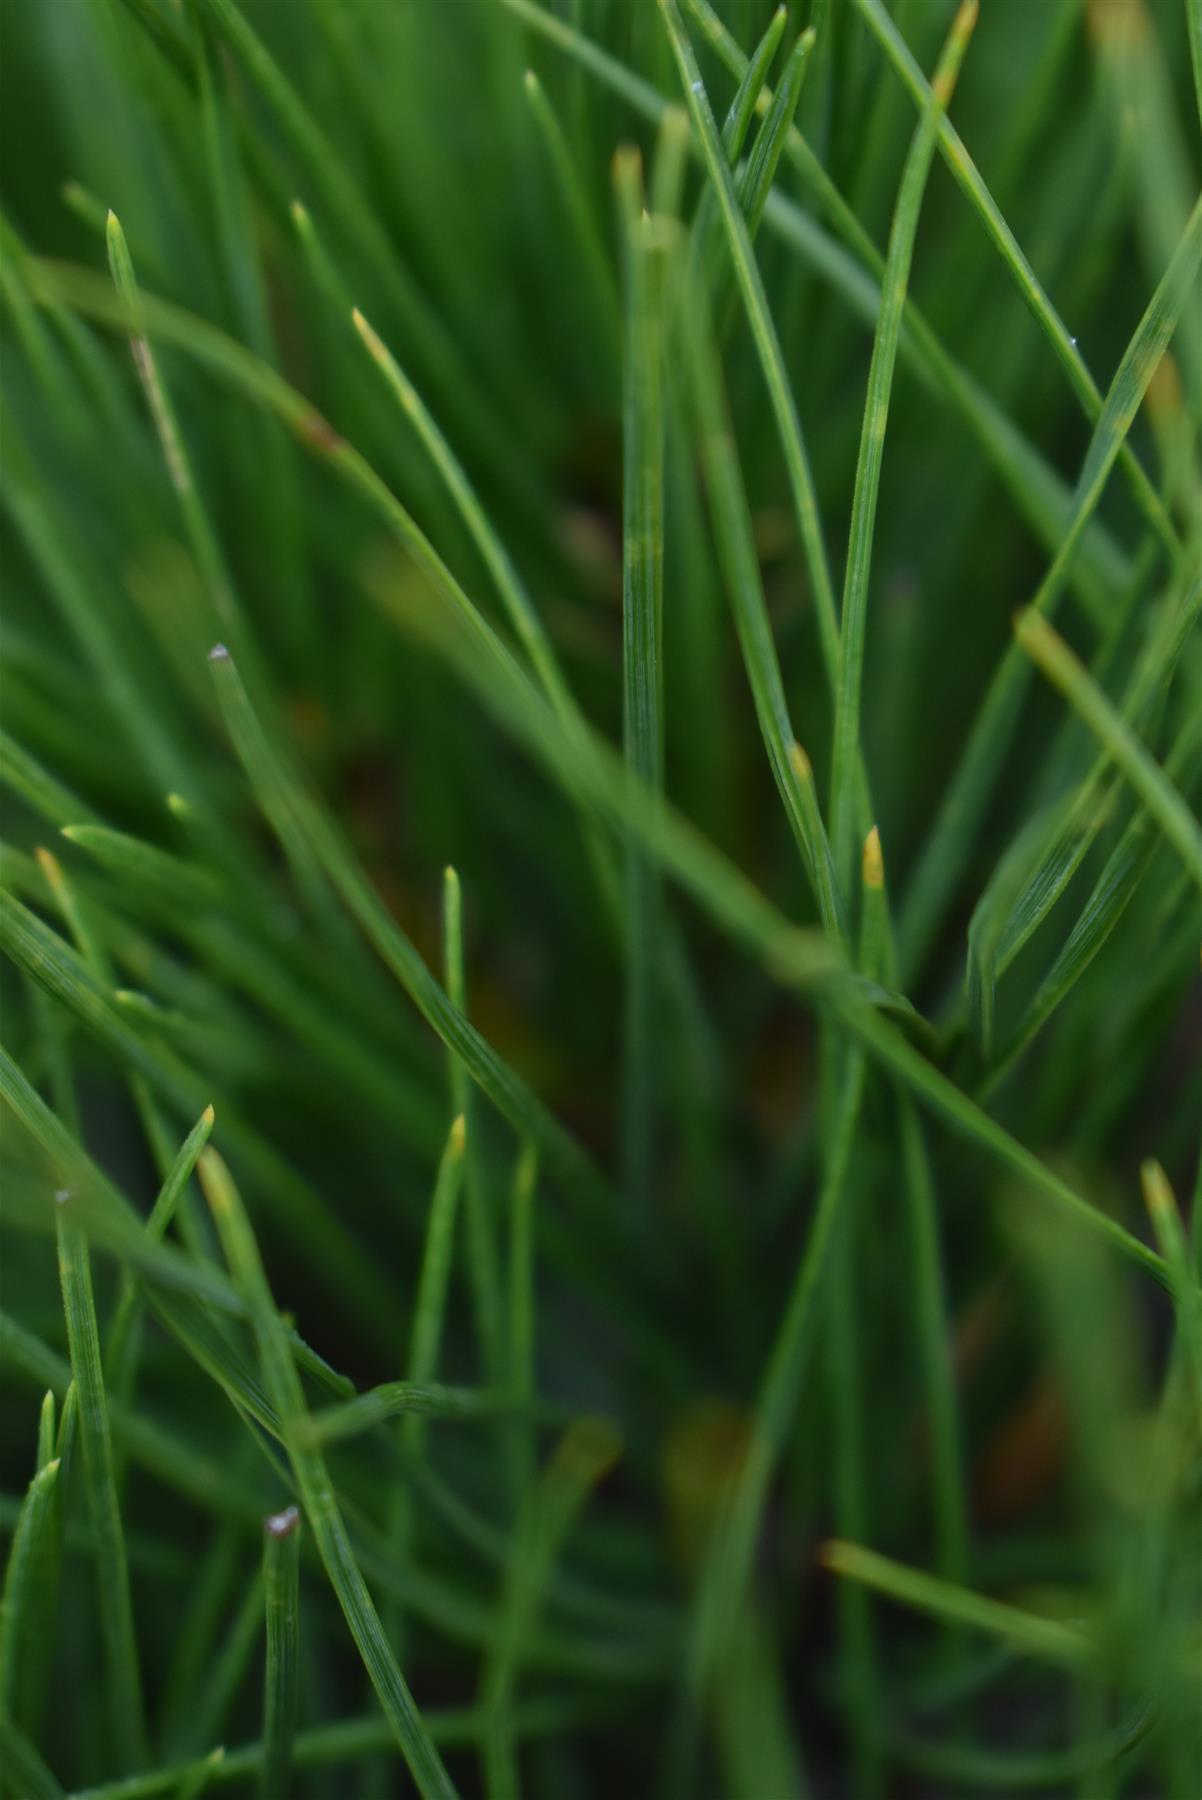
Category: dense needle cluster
[600,745]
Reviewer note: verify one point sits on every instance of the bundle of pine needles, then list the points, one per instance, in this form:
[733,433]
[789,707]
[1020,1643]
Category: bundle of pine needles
[602,719]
